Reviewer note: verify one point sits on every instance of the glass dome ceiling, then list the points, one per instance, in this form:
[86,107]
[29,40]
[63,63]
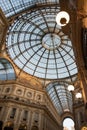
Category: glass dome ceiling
[38,46]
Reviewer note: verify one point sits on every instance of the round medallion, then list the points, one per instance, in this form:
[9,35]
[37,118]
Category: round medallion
[19,91]
[29,94]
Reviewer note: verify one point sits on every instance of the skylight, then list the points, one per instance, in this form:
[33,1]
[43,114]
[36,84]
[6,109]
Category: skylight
[38,46]
[60,96]
[12,7]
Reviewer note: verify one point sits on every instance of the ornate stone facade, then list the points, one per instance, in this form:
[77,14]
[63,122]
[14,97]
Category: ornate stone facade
[24,107]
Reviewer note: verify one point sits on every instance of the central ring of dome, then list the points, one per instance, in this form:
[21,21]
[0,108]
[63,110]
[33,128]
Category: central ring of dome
[51,41]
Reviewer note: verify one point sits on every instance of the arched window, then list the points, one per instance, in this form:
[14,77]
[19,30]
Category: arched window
[6,70]
[68,124]
[13,111]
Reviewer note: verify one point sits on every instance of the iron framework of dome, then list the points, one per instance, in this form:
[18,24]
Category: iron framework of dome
[38,46]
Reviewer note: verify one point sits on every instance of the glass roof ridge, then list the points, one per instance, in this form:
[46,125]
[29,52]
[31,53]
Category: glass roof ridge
[60,96]
[12,7]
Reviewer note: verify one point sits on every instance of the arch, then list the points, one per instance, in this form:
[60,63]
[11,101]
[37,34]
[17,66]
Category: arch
[9,126]
[34,128]
[6,70]
[22,126]
[67,115]
[68,124]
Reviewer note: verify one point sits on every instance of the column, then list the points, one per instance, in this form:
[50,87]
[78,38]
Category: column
[17,118]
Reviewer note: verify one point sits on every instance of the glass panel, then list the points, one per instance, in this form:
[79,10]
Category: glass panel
[60,96]
[6,70]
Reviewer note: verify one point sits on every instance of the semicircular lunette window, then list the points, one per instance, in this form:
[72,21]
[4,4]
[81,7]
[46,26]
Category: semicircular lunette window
[38,46]
[6,70]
